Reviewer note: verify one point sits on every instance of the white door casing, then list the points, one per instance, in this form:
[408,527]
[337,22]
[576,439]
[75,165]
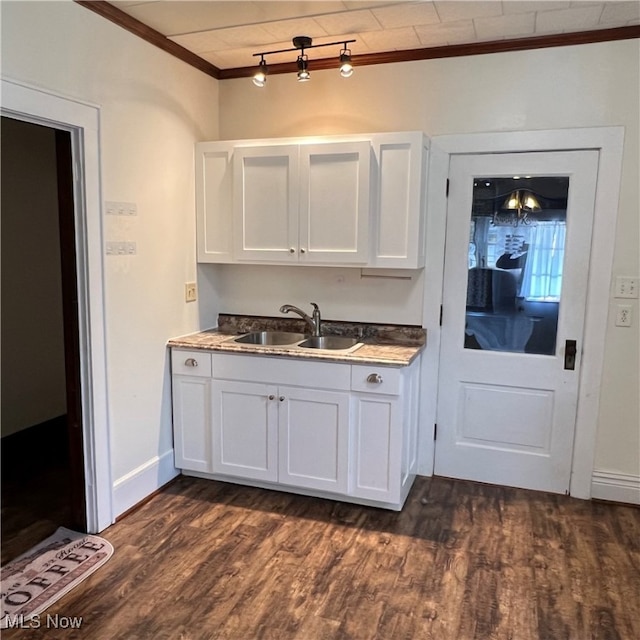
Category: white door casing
[82,121]
[508,418]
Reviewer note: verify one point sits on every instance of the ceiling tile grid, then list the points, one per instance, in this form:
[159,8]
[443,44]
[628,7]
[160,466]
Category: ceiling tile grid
[228,33]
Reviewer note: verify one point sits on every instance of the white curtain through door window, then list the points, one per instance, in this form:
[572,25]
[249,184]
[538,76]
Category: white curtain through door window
[542,278]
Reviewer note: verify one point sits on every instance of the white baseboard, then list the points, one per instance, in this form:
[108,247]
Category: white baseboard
[136,485]
[618,487]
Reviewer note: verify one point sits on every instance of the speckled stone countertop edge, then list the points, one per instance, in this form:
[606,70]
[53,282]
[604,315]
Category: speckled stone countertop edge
[393,355]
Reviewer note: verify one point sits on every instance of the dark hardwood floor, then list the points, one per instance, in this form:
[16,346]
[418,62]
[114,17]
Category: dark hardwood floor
[462,561]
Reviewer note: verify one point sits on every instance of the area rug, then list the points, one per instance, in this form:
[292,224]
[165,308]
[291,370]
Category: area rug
[42,575]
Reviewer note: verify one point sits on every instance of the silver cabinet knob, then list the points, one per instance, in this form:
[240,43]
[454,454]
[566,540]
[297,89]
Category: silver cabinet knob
[292,250]
[303,250]
[281,398]
[191,362]
[375,378]
[271,397]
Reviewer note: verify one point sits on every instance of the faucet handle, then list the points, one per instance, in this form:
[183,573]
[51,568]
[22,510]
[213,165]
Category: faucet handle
[315,306]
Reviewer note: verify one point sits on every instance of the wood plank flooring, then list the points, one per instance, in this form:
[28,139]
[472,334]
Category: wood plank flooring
[205,560]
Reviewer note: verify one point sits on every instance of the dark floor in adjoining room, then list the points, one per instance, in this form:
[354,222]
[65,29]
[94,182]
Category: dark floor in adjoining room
[204,560]
[35,487]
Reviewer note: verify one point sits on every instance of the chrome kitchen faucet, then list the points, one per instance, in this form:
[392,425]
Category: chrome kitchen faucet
[314,322]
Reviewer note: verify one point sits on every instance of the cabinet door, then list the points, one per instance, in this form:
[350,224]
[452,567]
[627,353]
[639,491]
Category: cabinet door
[244,430]
[214,191]
[191,423]
[265,203]
[399,239]
[377,447]
[313,439]
[334,202]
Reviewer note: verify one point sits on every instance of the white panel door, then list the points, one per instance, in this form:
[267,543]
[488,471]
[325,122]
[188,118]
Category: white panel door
[191,423]
[314,438]
[265,204]
[377,442]
[514,299]
[245,424]
[334,202]
[214,194]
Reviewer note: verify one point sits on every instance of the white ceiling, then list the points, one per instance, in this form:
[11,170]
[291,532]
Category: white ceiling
[228,33]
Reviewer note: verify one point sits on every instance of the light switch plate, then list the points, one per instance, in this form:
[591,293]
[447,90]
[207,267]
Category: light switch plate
[626,287]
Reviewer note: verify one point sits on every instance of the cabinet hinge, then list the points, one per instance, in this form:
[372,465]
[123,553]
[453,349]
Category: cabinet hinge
[435,431]
[447,189]
[440,315]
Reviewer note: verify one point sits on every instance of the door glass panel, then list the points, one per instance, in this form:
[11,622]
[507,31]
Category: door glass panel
[515,262]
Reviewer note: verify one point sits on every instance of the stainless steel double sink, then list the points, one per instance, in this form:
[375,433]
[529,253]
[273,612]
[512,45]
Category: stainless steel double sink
[292,340]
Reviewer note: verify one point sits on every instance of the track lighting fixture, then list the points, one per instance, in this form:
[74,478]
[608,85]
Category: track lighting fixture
[300,43]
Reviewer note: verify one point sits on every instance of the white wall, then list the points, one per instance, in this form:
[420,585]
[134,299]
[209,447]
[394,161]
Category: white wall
[579,86]
[153,109]
[33,371]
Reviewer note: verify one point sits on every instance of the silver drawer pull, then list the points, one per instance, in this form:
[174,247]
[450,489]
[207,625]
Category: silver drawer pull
[376,378]
[271,397]
[191,362]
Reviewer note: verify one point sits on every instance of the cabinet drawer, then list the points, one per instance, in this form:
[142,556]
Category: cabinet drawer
[287,371]
[375,379]
[191,363]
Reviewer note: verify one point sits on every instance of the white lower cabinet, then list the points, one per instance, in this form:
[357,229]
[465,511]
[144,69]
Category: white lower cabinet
[314,439]
[190,390]
[245,430]
[329,429]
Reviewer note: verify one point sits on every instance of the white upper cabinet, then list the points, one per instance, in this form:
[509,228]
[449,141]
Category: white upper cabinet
[302,203]
[265,203]
[214,182]
[335,184]
[399,236]
[339,201]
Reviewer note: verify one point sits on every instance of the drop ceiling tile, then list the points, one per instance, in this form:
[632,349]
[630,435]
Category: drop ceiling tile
[352,21]
[406,14]
[568,19]
[287,29]
[390,39]
[511,26]
[173,18]
[199,42]
[249,36]
[460,32]
[453,11]
[524,6]
[616,12]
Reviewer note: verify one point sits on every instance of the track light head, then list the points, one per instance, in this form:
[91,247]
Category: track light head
[260,78]
[303,68]
[346,68]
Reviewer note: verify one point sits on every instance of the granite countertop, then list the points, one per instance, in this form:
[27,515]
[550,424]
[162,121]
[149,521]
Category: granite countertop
[390,345]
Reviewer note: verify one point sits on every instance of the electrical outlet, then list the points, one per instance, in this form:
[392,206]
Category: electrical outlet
[190,292]
[623,316]
[626,287]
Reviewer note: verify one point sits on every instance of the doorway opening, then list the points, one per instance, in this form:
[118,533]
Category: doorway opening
[43,483]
